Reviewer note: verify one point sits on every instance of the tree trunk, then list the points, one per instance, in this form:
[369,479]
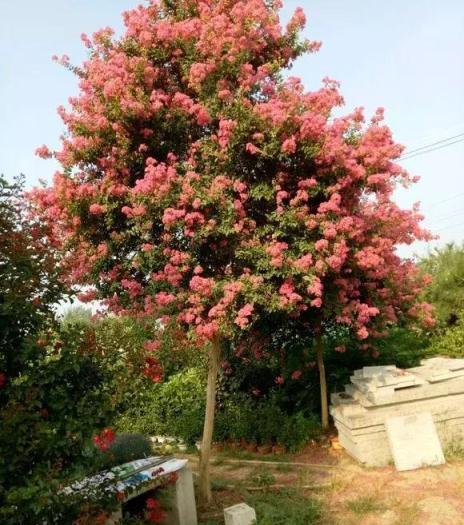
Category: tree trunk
[322,382]
[205,452]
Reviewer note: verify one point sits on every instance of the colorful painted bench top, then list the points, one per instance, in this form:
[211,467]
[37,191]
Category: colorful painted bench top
[129,476]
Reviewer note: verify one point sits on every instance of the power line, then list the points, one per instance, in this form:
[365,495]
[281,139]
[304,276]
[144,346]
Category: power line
[441,218]
[437,203]
[434,143]
[450,226]
[423,152]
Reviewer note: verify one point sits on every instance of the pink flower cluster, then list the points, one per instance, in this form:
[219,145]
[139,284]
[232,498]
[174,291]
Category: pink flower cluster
[242,320]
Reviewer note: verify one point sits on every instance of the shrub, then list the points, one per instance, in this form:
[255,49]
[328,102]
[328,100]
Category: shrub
[450,343]
[174,408]
[49,417]
[446,290]
[128,447]
[297,430]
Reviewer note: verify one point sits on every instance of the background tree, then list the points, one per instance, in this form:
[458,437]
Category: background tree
[29,282]
[199,185]
[446,289]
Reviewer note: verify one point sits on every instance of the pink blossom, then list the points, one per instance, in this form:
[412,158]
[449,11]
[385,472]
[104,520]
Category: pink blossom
[226,130]
[97,209]
[276,251]
[242,319]
[172,215]
[321,244]
[43,152]
[152,346]
[251,148]
[201,285]
[164,298]
[289,145]
[298,21]
[304,263]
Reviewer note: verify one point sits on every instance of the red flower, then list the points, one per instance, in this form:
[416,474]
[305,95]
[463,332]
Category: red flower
[3,380]
[154,513]
[153,370]
[152,503]
[104,439]
[173,477]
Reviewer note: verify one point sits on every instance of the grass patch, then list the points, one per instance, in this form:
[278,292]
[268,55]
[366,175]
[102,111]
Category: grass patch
[262,477]
[365,505]
[454,449]
[218,484]
[284,507]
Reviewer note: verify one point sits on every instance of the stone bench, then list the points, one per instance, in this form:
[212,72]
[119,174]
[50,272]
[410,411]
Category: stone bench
[138,477]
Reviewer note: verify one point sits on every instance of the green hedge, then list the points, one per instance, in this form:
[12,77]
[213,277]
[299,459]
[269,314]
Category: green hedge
[176,408]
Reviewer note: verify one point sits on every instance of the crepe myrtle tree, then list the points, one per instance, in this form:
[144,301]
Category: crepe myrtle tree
[199,185]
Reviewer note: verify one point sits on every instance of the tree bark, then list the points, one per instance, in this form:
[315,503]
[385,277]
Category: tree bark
[322,382]
[205,452]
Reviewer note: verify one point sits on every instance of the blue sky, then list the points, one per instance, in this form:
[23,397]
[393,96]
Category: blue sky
[404,56]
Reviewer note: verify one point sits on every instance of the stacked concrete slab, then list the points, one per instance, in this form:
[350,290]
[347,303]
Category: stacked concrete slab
[379,392]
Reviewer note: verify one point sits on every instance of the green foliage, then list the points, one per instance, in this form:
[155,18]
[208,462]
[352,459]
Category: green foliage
[446,291]
[128,447]
[28,280]
[263,422]
[176,408]
[289,348]
[173,408]
[49,418]
[450,343]
[285,507]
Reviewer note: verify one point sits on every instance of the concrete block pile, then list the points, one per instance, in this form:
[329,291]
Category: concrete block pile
[377,393]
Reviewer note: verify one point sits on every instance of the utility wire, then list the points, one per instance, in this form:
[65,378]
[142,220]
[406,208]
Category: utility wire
[450,226]
[442,218]
[434,144]
[437,203]
[423,152]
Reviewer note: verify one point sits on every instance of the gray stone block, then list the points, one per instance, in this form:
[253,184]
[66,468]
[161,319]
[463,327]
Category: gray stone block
[414,441]
[377,393]
[183,508]
[240,514]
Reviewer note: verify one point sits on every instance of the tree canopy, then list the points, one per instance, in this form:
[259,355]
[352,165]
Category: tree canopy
[198,182]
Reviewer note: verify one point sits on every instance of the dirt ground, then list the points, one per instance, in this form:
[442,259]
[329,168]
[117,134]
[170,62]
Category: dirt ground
[349,494]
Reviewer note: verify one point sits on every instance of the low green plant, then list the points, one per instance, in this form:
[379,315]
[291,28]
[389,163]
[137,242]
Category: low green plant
[284,507]
[454,449]
[263,478]
[365,505]
[128,447]
[450,342]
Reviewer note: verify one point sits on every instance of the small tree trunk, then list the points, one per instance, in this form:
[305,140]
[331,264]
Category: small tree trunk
[205,452]
[322,382]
